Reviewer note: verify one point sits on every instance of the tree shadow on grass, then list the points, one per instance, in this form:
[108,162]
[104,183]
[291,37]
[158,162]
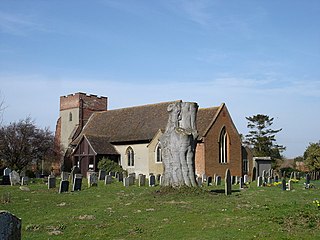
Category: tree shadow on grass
[222,191]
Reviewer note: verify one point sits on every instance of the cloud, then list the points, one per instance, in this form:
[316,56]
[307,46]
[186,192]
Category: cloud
[18,24]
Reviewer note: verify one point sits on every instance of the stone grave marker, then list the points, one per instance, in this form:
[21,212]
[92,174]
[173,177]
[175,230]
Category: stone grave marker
[92,179]
[65,176]
[108,179]
[199,181]
[241,183]
[152,181]
[290,185]
[6,171]
[209,181]
[102,175]
[233,180]
[51,181]
[14,178]
[227,181]
[64,186]
[132,179]
[284,184]
[126,181]
[75,170]
[276,178]
[291,175]
[260,181]
[113,174]
[308,178]
[254,174]
[24,181]
[10,226]
[141,180]
[77,182]
[218,180]
[22,173]
[246,178]
[119,177]
[269,180]
[214,178]
[158,178]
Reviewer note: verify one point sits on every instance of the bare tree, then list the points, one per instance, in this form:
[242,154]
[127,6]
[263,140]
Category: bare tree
[22,143]
[2,108]
[179,143]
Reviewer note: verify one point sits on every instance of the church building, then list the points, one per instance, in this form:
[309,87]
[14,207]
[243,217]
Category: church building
[88,131]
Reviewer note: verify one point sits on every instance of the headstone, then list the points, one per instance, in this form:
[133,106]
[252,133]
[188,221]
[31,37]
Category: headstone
[131,179]
[77,182]
[290,185]
[141,180]
[209,181]
[199,181]
[6,171]
[24,181]
[276,178]
[218,180]
[10,226]
[214,178]
[269,180]
[158,178]
[102,175]
[233,180]
[113,174]
[295,175]
[284,184]
[119,177]
[108,179]
[14,178]
[75,170]
[308,178]
[284,174]
[133,175]
[5,180]
[227,183]
[92,179]
[51,182]
[246,178]
[152,181]
[264,173]
[260,181]
[126,181]
[160,181]
[254,174]
[65,176]
[241,183]
[22,173]
[64,186]
[291,175]
[237,180]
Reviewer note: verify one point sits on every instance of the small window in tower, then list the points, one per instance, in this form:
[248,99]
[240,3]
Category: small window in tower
[70,117]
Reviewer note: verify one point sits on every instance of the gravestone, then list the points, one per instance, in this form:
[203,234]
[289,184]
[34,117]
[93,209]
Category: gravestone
[132,179]
[308,178]
[6,171]
[113,174]
[209,181]
[24,181]
[236,180]
[241,183]
[108,179]
[126,181]
[227,182]
[218,180]
[75,170]
[158,178]
[102,175]
[92,179]
[14,178]
[245,178]
[22,173]
[291,175]
[152,181]
[204,177]
[260,181]
[51,182]
[199,181]
[77,182]
[141,180]
[295,175]
[5,180]
[64,186]
[133,175]
[290,185]
[119,177]
[264,174]
[214,178]
[254,174]
[10,226]
[233,180]
[284,174]
[284,184]
[270,180]
[65,176]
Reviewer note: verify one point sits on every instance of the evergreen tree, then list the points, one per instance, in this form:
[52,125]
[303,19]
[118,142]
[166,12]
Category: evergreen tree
[261,139]
[312,156]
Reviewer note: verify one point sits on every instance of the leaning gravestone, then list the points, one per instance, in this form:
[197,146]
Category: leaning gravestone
[92,179]
[10,226]
[64,186]
[108,179]
[14,178]
[51,182]
[227,181]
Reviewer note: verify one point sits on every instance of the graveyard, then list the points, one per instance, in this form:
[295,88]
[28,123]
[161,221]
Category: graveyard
[141,209]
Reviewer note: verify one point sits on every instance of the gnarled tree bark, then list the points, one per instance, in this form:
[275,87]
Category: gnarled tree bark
[178,144]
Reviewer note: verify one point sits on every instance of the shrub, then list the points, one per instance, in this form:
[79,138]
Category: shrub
[108,165]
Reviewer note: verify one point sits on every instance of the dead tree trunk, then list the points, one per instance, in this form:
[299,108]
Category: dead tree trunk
[179,143]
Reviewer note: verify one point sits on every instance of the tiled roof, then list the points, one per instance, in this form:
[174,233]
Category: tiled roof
[139,123]
[101,145]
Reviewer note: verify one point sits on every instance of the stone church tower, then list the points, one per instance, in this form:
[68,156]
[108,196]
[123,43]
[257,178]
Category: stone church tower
[75,110]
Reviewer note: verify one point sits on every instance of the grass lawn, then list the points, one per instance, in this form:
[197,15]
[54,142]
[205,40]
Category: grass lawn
[115,212]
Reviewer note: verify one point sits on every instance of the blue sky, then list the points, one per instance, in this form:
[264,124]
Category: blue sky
[256,56]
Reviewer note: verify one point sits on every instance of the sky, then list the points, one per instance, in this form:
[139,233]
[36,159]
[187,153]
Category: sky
[257,57]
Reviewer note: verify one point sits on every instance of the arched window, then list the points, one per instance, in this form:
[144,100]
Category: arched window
[158,153]
[130,156]
[70,116]
[223,146]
